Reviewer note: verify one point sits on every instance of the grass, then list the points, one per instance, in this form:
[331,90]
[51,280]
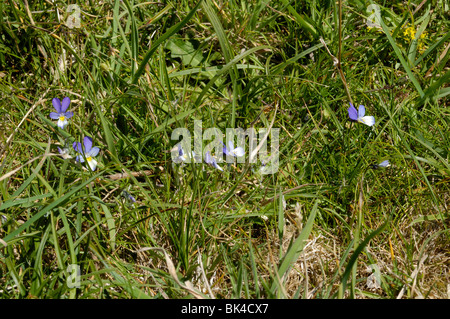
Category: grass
[327,224]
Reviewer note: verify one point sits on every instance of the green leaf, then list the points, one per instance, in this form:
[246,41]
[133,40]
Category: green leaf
[432,217]
[227,53]
[185,51]
[401,58]
[160,40]
[60,201]
[24,202]
[296,247]
[302,21]
[355,255]
[111,226]
[134,37]
[225,69]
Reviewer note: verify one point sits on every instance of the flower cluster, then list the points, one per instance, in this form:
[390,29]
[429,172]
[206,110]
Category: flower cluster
[408,34]
[211,160]
[85,152]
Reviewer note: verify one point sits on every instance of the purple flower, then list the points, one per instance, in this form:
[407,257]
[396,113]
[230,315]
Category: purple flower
[212,161]
[236,152]
[358,115]
[183,156]
[64,153]
[128,196]
[61,115]
[87,151]
[382,164]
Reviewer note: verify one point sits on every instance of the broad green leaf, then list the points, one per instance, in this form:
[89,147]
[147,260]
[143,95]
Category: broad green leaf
[185,50]
[160,40]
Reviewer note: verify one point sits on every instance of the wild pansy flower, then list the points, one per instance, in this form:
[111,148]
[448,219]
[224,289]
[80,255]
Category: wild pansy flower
[61,115]
[212,161]
[382,164]
[64,153]
[128,197]
[265,168]
[183,156]
[358,115]
[87,151]
[236,152]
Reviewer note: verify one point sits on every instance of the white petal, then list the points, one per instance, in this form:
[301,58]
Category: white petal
[239,151]
[384,163]
[63,123]
[92,164]
[183,158]
[368,120]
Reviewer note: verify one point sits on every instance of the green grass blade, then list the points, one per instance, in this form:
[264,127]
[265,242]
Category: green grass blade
[432,47]
[23,202]
[296,247]
[225,69]
[401,58]
[60,201]
[280,67]
[227,53]
[301,20]
[134,37]
[160,40]
[354,256]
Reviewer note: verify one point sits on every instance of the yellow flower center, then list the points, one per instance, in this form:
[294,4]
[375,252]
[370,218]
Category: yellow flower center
[62,118]
[89,158]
